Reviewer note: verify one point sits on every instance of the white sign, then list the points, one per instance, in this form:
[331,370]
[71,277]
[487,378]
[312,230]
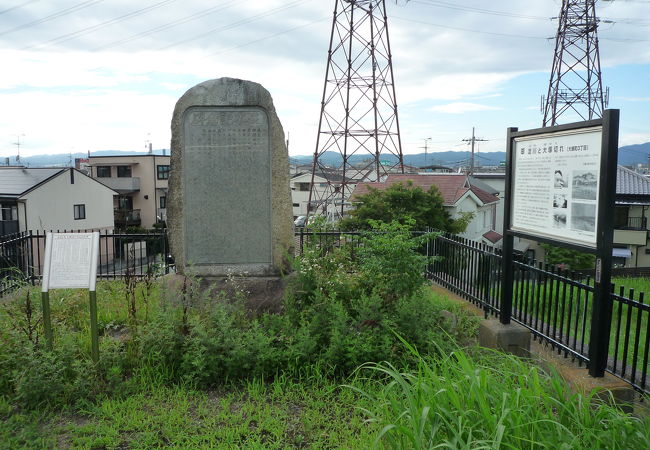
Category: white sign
[555,187]
[70,260]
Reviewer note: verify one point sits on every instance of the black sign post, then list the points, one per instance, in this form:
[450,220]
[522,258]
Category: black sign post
[560,190]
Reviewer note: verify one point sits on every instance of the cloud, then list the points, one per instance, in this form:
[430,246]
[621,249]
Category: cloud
[633,99]
[461,107]
[110,87]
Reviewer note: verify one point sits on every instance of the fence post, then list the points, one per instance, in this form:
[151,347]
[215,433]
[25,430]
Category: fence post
[601,311]
[302,234]
[508,279]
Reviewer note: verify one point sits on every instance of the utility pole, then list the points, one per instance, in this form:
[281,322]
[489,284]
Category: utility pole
[426,148]
[473,140]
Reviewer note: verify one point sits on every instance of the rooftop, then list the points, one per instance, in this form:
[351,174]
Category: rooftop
[452,187]
[16,180]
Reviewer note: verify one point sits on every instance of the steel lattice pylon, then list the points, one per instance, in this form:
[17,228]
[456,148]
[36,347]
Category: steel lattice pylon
[576,81]
[359,108]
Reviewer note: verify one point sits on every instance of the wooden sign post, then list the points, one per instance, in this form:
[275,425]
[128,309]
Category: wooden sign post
[71,262]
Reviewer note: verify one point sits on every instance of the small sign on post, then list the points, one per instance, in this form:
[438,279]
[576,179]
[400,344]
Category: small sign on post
[71,262]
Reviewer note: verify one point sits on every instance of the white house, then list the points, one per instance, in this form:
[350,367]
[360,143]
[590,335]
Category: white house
[460,194]
[53,199]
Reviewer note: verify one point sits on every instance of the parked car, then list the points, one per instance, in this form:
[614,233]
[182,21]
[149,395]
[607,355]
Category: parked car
[300,221]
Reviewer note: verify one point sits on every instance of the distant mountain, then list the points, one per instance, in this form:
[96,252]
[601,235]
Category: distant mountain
[629,155]
[67,160]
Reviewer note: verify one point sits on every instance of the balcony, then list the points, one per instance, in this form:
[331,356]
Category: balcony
[632,223]
[122,185]
[127,217]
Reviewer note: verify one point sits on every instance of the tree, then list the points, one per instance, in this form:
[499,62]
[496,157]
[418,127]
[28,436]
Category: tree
[571,259]
[404,203]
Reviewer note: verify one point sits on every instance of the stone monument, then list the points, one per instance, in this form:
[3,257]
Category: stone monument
[229,201]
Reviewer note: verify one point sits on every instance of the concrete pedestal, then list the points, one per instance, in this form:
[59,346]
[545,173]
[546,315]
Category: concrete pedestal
[512,338]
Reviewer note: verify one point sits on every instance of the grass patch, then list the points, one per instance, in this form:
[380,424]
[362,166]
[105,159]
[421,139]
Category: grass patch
[285,413]
[490,400]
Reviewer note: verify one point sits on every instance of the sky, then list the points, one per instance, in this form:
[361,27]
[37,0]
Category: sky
[94,75]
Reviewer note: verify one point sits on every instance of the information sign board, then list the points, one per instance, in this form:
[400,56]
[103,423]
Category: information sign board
[70,260]
[555,185]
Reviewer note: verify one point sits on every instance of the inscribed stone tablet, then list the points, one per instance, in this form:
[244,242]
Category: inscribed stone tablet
[228,185]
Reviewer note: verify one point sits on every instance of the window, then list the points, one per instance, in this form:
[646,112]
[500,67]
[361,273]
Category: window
[9,213]
[163,172]
[125,202]
[303,187]
[296,205]
[124,171]
[103,171]
[530,255]
[79,212]
[163,202]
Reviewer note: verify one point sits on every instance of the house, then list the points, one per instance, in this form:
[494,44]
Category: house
[140,182]
[631,212]
[328,179]
[460,194]
[324,181]
[53,199]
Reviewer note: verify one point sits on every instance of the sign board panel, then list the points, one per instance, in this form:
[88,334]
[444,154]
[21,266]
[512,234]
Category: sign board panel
[70,260]
[555,185]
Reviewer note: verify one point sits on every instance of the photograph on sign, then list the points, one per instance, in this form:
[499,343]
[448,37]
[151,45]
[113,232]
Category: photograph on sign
[70,260]
[555,185]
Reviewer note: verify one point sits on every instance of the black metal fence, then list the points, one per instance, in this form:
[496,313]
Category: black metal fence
[21,256]
[554,304]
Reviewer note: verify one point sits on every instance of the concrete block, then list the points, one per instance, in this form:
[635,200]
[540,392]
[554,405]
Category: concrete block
[512,338]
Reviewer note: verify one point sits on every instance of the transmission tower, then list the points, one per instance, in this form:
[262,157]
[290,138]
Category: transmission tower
[576,82]
[359,109]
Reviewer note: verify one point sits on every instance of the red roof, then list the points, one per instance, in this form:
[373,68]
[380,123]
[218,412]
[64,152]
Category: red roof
[492,236]
[452,187]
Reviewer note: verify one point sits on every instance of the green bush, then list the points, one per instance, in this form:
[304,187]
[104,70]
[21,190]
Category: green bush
[341,311]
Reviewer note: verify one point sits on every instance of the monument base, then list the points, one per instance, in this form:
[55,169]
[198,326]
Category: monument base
[260,294]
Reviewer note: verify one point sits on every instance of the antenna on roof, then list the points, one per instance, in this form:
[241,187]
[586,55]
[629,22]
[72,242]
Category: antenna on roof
[17,144]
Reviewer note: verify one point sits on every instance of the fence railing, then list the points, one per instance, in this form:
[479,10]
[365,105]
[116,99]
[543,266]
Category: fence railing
[554,304]
[21,256]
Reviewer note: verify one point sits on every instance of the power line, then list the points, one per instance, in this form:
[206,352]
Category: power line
[268,37]
[508,35]
[236,24]
[477,10]
[56,15]
[169,25]
[18,6]
[470,30]
[69,36]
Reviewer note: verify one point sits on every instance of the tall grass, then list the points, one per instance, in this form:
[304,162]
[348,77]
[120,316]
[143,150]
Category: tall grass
[481,400]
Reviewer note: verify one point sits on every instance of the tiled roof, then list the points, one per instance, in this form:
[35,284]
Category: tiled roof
[16,180]
[452,187]
[629,182]
[485,197]
[492,236]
